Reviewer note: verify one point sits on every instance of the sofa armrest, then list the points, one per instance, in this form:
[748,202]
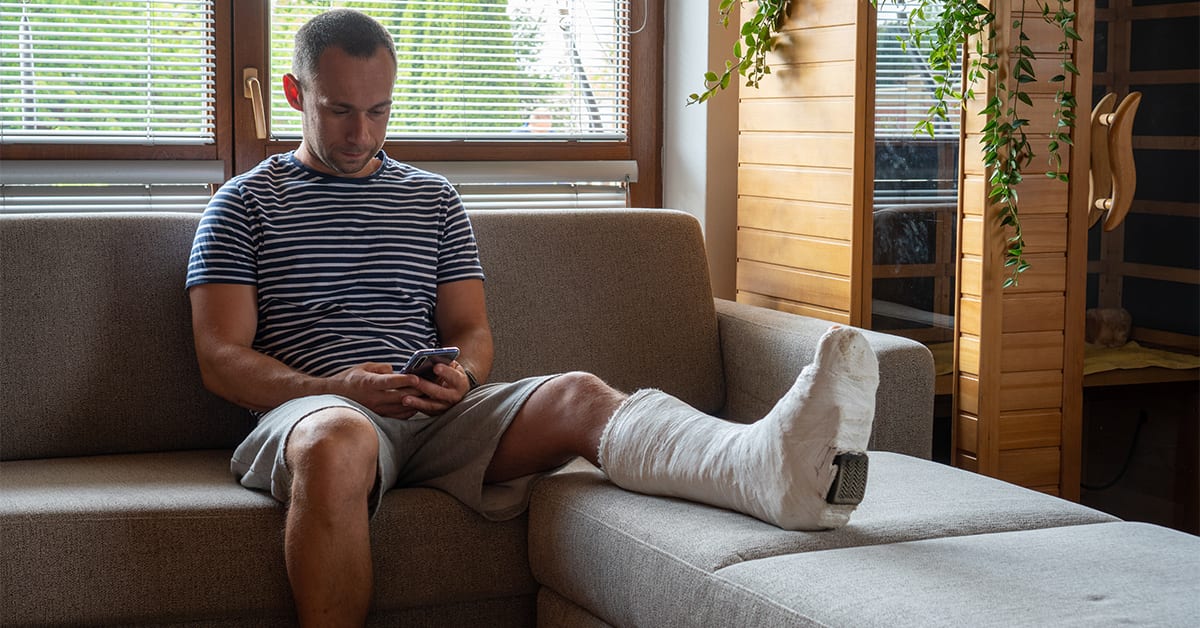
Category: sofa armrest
[764,350]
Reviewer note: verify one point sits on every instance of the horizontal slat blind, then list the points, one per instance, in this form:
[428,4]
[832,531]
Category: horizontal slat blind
[107,72]
[103,198]
[91,186]
[904,85]
[511,69]
[539,184]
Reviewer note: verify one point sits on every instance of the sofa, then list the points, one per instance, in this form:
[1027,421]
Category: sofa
[117,505]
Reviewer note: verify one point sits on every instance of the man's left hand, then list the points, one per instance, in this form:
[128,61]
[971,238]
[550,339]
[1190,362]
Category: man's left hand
[437,397]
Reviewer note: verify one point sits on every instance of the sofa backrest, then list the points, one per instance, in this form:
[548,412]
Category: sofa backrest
[95,339]
[96,351]
[624,294]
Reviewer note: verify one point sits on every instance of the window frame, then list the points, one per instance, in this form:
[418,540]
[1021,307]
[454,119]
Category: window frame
[241,41]
[643,144]
[220,149]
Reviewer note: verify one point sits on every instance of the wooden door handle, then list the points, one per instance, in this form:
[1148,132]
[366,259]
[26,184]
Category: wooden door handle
[1113,173]
[252,89]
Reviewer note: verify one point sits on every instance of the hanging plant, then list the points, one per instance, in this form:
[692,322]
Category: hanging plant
[946,26]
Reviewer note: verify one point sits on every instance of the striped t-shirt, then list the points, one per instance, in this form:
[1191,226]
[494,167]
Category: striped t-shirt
[347,270]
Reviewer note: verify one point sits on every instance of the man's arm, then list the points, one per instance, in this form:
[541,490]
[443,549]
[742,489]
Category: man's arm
[461,319]
[224,320]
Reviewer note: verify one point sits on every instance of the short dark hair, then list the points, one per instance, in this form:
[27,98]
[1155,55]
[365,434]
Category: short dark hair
[354,32]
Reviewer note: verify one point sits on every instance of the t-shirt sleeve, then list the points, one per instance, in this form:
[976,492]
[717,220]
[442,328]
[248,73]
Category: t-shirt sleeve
[458,255]
[223,250]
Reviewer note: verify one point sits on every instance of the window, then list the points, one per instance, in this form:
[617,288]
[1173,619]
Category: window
[154,80]
[115,72]
[472,69]
[916,190]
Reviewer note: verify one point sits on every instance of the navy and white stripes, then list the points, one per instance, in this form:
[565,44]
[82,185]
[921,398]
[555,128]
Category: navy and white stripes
[347,270]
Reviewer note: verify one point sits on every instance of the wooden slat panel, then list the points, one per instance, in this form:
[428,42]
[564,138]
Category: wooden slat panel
[969,311]
[1030,467]
[1043,37]
[829,150]
[968,354]
[812,45]
[1036,428]
[968,394]
[1040,116]
[800,184]
[1030,390]
[808,80]
[974,196]
[827,256]
[967,434]
[1031,351]
[972,235]
[835,115]
[1046,273]
[1034,312]
[1051,490]
[1045,234]
[809,13]
[971,280]
[803,309]
[1039,194]
[828,291]
[966,461]
[799,217]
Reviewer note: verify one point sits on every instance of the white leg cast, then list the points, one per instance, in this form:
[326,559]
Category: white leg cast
[779,469]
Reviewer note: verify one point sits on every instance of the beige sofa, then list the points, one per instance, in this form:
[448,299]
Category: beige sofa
[117,505]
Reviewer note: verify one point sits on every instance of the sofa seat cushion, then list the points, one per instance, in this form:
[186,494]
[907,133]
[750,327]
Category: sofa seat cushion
[173,537]
[587,535]
[1109,574]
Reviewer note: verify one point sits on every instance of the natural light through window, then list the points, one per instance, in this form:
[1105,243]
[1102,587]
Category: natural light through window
[108,72]
[489,69]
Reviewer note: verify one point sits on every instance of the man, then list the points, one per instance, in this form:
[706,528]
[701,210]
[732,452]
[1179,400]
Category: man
[317,273]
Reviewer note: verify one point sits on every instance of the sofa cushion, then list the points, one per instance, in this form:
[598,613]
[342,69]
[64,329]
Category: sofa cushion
[623,294]
[1109,574]
[172,536]
[96,345]
[587,535]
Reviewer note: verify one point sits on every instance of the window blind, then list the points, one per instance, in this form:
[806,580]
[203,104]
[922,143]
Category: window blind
[903,82]
[91,186]
[539,184]
[487,69]
[77,71]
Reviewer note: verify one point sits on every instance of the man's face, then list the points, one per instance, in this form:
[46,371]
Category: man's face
[344,111]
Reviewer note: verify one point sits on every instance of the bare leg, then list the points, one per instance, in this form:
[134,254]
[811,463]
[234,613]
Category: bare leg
[327,546]
[564,418]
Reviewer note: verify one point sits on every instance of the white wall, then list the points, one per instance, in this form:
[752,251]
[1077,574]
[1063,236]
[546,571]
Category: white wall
[700,141]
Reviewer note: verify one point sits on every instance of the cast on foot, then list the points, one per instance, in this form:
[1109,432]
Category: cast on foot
[801,467]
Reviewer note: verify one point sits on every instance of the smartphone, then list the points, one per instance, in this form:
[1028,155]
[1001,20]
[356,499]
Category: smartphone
[423,360]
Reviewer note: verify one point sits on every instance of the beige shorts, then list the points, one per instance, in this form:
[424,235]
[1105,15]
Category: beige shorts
[450,452]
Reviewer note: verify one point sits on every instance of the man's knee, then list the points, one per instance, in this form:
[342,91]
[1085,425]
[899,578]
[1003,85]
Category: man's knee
[337,448]
[586,397]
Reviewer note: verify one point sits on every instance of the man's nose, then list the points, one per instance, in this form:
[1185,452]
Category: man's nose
[358,128]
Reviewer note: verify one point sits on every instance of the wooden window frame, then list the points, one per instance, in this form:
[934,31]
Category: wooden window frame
[241,32]
[644,142]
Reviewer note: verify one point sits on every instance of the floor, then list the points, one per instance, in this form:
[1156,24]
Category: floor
[1141,446]
[1140,450]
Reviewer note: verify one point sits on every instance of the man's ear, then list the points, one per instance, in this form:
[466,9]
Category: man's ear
[291,91]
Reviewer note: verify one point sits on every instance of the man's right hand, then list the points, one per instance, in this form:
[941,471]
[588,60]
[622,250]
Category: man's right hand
[377,387]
